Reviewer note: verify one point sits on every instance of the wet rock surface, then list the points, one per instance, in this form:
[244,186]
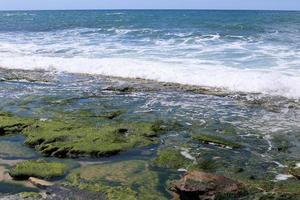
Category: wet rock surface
[39,182]
[66,193]
[295,172]
[197,185]
[10,124]
[54,138]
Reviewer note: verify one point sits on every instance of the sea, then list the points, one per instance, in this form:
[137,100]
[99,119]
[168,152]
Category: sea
[240,51]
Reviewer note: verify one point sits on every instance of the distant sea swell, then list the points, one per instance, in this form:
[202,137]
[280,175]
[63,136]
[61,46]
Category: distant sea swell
[247,51]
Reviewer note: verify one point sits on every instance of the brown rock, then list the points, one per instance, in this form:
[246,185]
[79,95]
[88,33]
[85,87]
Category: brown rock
[295,172]
[197,185]
[4,175]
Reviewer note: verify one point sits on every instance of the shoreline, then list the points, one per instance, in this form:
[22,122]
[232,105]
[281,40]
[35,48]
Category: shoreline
[151,84]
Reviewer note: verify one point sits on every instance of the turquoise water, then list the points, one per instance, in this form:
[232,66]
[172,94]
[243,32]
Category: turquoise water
[245,51]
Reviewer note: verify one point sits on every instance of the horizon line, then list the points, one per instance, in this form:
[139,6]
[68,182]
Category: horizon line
[150,9]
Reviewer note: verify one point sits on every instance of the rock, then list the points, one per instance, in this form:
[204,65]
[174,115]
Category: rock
[172,159]
[219,141]
[295,172]
[61,139]
[30,195]
[4,175]
[12,124]
[197,185]
[129,180]
[66,193]
[39,182]
[38,168]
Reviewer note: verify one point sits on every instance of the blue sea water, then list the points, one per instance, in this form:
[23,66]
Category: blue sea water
[245,51]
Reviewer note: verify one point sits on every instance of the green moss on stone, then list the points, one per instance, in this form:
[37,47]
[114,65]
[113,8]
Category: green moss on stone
[10,124]
[113,114]
[120,180]
[266,189]
[207,165]
[39,169]
[59,139]
[111,193]
[216,140]
[171,158]
[30,195]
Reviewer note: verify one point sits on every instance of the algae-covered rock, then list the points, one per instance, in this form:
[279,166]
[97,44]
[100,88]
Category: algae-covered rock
[113,114]
[171,158]
[274,196]
[261,189]
[205,138]
[59,139]
[120,180]
[30,195]
[59,192]
[38,168]
[10,124]
[207,165]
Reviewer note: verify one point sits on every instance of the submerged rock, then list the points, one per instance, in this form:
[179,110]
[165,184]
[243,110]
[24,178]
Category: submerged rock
[197,185]
[172,158]
[205,138]
[67,193]
[119,180]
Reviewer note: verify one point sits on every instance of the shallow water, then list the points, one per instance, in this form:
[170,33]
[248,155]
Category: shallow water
[261,128]
[10,188]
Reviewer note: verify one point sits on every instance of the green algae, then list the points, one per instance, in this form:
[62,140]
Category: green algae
[119,180]
[111,193]
[171,158]
[281,143]
[39,169]
[264,188]
[59,139]
[207,165]
[113,114]
[205,138]
[282,190]
[30,195]
[10,124]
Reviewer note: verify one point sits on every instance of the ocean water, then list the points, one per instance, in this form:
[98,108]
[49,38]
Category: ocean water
[240,51]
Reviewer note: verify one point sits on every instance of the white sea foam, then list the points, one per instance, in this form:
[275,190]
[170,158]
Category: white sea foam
[185,152]
[211,74]
[282,177]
